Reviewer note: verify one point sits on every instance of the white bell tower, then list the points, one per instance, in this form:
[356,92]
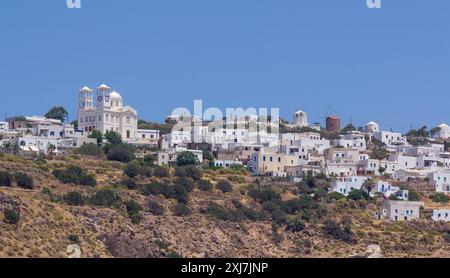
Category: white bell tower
[85,99]
[103,96]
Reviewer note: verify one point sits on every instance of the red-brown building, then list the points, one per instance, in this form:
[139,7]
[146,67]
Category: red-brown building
[333,124]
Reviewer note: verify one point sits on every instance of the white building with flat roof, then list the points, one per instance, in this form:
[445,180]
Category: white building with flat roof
[441,215]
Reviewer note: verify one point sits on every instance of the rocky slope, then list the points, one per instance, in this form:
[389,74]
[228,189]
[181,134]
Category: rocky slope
[48,225]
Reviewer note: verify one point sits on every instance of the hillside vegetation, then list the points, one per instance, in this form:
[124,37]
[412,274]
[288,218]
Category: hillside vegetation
[115,209]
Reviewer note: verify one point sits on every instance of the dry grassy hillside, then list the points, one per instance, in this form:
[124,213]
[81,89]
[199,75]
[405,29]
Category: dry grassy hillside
[220,224]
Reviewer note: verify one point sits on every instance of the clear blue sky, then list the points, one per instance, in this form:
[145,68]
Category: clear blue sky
[390,65]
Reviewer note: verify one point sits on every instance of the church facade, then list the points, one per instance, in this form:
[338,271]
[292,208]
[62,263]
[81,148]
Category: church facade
[104,111]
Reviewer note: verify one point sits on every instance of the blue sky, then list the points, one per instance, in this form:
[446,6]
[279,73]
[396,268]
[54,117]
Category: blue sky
[390,65]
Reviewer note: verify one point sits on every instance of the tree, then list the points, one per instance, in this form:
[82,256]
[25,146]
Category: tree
[150,159]
[368,185]
[105,198]
[379,154]
[207,155]
[51,148]
[75,124]
[121,152]
[132,169]
[114,138]
[57,113]
[89,149]
[358,195]
[187,158]
[96,134]
[440,198]
[76,175]
[348,128]
[413,195]
[336,196]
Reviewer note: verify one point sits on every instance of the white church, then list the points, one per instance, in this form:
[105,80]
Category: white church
[106,112]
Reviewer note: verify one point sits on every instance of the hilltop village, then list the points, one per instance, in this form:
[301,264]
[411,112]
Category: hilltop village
[399,177]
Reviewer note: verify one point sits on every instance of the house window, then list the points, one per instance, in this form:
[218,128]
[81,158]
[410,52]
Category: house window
[128,119]
[128,134]
[99,118]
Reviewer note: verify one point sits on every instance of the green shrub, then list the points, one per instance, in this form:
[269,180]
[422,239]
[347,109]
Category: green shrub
[136,218]
[193,172]
[186,183]
[336,196]
[181,210]
[176,191]
[74,198]
[23,180]
[155,208]
[295,225]
[219,212]
[132,169]
[179,193]
[121,152]
[265,195]
[5,179]
[334,229]
[279,216]
[132,207]
[89,149]
[74,239]
[160,172]
[173,255]
[205,185]
[358,194]
[440,198]
[247,213]
[224,186]
[150,159]
[413,195]
[105,198]
[12,216]
[187,158]
[161,244]
[129,183]
[180,172]
[272,206]
[76,175]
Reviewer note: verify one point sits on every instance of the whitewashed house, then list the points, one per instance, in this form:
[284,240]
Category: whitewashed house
[441,181]
[443,132]
[441,215]
[4,126]
[372,127]
[226,163]
[345,185]
[400,210]
[391,139]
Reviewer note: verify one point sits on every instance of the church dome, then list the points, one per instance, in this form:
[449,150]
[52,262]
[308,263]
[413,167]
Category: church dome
[85,89]
[103,87]
[115,95]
